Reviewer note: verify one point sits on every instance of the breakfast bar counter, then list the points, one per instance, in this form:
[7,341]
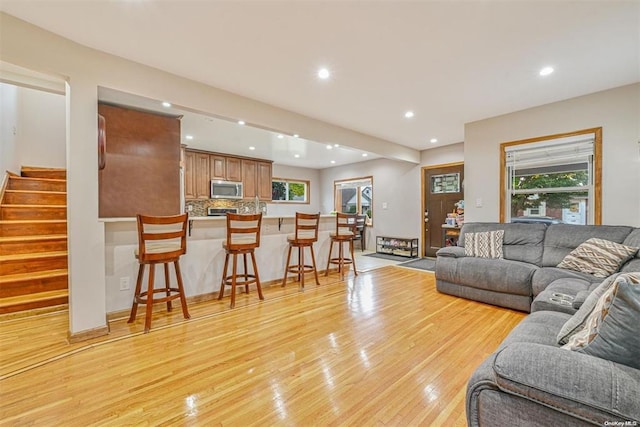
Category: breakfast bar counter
[202,264]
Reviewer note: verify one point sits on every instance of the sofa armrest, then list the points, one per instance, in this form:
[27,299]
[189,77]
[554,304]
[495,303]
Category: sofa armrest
[577,384]
[451,251]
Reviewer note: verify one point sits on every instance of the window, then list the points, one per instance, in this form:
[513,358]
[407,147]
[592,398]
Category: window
[289,190]
[354,196]
[552,179]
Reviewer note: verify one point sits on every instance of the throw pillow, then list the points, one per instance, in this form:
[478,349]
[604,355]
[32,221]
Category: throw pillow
[487,244]
[610,332]
[577,321]
[599,257]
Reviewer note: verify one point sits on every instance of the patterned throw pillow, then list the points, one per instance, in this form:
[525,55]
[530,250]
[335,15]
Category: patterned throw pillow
[599,257]
[487,244]
[610,332]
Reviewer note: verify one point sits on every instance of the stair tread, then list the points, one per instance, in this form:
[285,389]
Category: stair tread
[32,255]
[35,178]
[34,275]
[36,296]
[32,238]
[32,206]
[31,221]
[35,191]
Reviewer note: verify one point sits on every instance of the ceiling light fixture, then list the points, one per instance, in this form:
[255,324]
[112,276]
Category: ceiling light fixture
[336,145]
[333,162]
[189,137]
[433,140]
[329,147]
[323,73]
[409,114]
[364,154]
[295,135]
[252,148]
[280,136]
[241,122]
[166,104]
[546,71]
[297,156]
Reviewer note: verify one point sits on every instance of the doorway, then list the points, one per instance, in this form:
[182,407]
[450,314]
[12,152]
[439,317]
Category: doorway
[442,188]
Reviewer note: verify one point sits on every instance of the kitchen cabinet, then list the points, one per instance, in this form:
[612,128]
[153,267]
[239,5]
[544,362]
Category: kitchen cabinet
[264,180]
[234,169]
[218,165]
[202,176]
[189,175]
[249,178]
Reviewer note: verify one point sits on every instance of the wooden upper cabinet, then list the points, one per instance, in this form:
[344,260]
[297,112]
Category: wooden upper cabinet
[264,180]
[234,169]
[249,178]
[203,177]
[218,166]
[189,175]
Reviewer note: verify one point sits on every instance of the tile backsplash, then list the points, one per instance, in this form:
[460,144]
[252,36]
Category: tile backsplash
[199,207]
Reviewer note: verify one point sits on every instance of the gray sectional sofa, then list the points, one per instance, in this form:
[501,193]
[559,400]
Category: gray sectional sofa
[530,380]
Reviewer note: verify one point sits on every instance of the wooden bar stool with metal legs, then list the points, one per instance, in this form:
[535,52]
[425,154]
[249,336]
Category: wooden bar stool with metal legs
[345,232]
[161,240]
[243,237]
[306,234]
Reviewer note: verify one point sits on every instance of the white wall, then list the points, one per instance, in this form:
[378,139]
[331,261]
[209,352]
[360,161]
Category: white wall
[453,153]
[617,111]
[8,128]
[307,174]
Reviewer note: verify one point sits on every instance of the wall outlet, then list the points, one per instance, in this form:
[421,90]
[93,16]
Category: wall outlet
[124,284]
[189,208]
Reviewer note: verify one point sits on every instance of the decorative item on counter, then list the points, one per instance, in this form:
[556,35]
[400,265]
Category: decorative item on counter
[460,213]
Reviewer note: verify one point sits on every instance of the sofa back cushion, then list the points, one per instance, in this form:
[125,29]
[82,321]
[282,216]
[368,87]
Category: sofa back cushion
[561,239]
[633,239]
[521,242]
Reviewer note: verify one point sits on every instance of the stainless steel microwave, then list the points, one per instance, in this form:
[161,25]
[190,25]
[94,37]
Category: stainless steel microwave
[226,189]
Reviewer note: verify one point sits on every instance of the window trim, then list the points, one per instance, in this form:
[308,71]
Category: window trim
[361,178]
[597,168]
[307,185]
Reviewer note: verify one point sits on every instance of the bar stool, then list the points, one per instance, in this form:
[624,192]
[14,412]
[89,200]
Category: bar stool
[243,237]
[345,233]
[161,240]
[306,234]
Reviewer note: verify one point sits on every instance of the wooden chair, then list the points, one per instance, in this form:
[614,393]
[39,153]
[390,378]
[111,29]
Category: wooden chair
[243,237]
[345,233]
[306,234]
[361,231]
[161,240]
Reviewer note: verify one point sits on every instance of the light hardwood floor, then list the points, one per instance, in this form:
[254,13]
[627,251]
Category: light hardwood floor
[384,348]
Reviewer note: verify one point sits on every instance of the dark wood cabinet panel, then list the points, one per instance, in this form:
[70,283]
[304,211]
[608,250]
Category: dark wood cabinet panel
[142,163]
[249,178]
[203,179]
[189,175]
[234,169]
[264,181]
[218,167]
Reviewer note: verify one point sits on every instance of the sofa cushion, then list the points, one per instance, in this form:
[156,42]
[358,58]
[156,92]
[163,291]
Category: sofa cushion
[560,295]
[633,239]
[561,239]
[498,275]
[543,277]
[521,242]
[580,317]
[484,244]
[599,257]
[611,330]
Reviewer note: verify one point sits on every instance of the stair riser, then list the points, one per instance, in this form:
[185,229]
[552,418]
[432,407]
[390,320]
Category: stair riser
[14,248]
[36,185]
[25,287]
[31,265]
[12,212]
[33,305]
[51,174]
[35,198]
[32,229]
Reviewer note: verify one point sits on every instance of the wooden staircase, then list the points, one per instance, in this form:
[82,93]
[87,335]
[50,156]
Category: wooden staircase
[33,241]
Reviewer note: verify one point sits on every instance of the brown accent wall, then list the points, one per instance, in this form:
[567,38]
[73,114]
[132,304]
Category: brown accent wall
[142,163]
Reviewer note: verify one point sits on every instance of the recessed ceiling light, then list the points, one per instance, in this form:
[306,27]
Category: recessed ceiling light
[297,156]
[333,162]
[295,135]
[546,71]
[252,148]
[336,145]
[329,147]
[166,104]
[409,114]
[241,122]
[189,137]
[323,73]
[280,136]
[433,140]
[364,154]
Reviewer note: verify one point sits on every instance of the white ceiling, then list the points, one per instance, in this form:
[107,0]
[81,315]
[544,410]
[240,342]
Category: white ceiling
[449,62]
